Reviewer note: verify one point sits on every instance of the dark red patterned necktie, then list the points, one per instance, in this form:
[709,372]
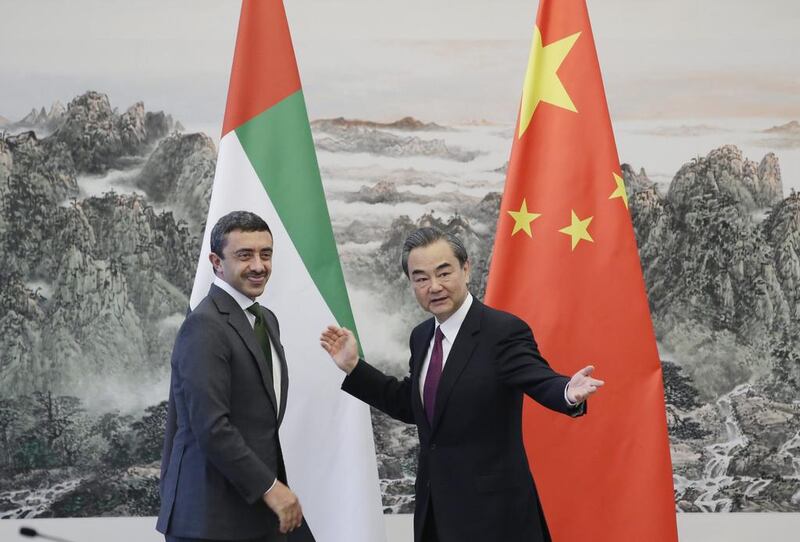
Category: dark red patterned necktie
[433,376]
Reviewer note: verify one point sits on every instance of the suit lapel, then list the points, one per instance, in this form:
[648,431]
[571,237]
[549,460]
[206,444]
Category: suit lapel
[419,349]
[278,349]
[238,321]
[458,358]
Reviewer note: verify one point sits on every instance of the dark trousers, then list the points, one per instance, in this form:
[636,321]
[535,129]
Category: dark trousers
[429,533]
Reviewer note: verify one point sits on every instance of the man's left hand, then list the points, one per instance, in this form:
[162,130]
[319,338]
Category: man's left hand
[582,385]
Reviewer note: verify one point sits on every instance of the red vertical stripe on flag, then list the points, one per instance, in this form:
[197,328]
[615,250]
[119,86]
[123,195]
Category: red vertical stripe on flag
[576,279]
[264,70]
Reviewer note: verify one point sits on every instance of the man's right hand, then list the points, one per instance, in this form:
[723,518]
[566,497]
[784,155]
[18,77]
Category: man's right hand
[341,345]
[286,506]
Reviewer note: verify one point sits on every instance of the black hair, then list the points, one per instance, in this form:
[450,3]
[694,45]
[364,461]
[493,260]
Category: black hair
[237,220]
[427,236]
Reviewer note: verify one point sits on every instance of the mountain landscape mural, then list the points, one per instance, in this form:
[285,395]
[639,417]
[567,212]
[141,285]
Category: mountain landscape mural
[101,218]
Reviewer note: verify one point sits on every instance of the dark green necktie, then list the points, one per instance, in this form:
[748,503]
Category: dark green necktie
[260,329]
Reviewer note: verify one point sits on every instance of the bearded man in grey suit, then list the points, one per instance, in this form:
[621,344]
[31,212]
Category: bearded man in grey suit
[222,472]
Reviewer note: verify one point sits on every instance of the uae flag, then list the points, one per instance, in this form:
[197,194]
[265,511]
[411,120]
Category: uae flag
[565,260]
[267,165]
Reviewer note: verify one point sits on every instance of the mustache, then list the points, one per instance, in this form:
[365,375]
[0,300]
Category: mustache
[257,275]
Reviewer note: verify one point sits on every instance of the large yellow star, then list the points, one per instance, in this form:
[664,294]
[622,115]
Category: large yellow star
[620,192]
[578,230]
[523,219]
[541,81]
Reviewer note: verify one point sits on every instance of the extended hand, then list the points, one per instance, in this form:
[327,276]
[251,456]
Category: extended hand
[582,385]
[286,506]
[341,345]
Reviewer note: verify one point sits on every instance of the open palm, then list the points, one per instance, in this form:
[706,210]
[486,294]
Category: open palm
[582,385]
[341,345]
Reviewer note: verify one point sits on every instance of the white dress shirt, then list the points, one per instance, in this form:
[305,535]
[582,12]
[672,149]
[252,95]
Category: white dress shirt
[450,328]
[244,302]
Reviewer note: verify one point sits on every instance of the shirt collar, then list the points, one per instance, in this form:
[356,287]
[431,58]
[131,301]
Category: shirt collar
[242,300]
[451,326]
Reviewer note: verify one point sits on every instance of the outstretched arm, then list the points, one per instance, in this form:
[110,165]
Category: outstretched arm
[521,365]
[365,382]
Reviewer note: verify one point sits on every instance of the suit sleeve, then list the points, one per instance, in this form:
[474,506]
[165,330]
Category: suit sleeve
[386,393]
[519,364]
[203,364]
[169,436]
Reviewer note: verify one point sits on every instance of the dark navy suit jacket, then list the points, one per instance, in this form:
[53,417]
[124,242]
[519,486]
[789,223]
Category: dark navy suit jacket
[472,469]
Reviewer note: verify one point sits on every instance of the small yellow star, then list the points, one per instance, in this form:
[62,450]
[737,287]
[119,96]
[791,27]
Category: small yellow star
[578,230]
[523,219]
[541,80]
[620,192]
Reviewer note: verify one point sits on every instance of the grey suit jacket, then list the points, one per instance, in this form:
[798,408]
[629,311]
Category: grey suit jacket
[221,446]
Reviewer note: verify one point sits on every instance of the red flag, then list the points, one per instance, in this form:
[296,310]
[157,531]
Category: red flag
[565,260]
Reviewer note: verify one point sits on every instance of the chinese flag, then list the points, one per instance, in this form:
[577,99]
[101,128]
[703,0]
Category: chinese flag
[565,261]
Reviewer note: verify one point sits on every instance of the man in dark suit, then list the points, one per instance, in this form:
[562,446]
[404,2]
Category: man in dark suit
[470,366]
[222,470]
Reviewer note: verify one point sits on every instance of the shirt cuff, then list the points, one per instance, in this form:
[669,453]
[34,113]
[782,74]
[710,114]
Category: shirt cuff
[270,488]
[566,398]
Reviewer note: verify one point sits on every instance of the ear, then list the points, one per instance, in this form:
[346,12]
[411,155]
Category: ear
[467,269]
[216,263]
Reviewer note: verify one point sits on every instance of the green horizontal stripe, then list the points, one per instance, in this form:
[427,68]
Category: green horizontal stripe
[280,147]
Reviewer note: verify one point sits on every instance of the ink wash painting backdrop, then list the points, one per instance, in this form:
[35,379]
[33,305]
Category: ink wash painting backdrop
[110,117]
